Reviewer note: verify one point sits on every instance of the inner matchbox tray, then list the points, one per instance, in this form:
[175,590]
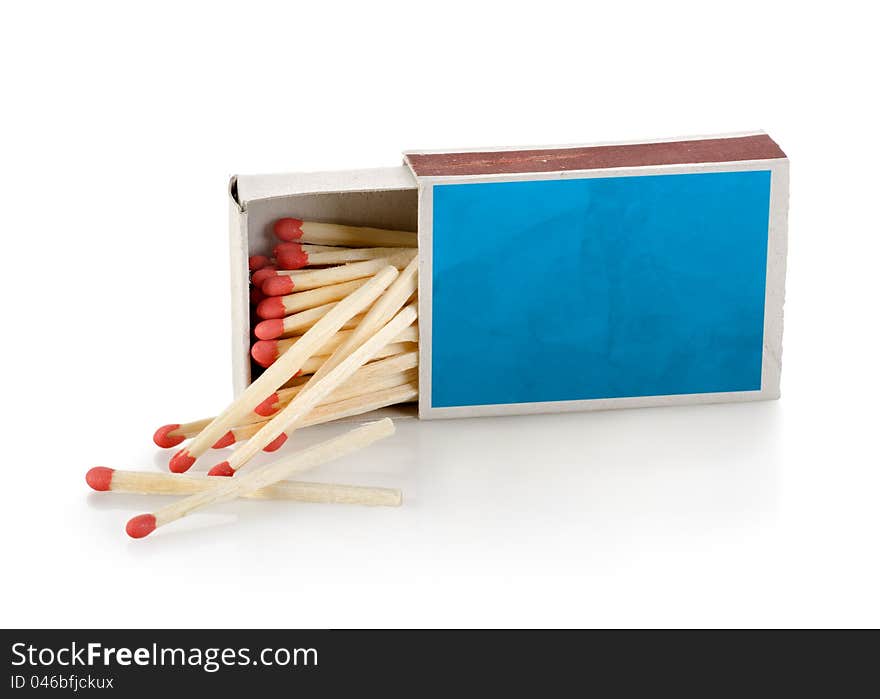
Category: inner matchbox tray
[565,278]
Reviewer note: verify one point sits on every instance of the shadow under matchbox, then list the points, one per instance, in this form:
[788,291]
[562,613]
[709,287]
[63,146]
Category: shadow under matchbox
[569,278]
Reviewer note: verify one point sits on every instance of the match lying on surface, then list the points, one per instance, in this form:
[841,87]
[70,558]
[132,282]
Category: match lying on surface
[104,479]
[269,475]
[336,335]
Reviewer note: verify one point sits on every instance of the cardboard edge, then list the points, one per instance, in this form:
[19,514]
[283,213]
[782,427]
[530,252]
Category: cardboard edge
[734,155]
[628,171]
[774,292]
[249,188]
[594,144]
[239,282]
[426,251]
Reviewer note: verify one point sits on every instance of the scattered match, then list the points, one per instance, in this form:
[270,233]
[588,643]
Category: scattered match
[229,489]
[103,479]
[335,326]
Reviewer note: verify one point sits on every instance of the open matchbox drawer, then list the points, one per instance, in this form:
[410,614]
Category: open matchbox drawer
[570,278]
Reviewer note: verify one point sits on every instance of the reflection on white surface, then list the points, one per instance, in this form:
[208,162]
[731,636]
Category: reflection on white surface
[652,516]
[534,487]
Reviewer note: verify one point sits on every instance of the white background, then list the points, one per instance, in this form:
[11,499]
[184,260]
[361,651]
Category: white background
[120,128]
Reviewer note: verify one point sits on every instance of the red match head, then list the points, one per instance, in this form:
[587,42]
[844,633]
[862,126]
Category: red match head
[265,352]
[181,461]
[276,443]
[256,262]
[221,469]
[138,527]
[288,229]
[257,295]
[225,440]
[268,407]
[291,255]
[99,478]
[261,275]
[269,329]
[278,286]
[163,437]
[272,307]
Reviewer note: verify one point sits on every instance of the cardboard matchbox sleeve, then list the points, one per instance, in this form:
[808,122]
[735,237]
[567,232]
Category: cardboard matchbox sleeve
[567,278]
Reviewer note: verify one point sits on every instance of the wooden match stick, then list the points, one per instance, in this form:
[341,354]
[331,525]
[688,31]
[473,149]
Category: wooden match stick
[274,432]
[265,352]
[293,256]
[338,447]
[297,323]
[284,368]
[103,479]
[296,230]
[307,279]
[258,262]
[373,376]
[280,306]
[329,412]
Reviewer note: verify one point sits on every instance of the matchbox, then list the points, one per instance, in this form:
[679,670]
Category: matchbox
[567,278]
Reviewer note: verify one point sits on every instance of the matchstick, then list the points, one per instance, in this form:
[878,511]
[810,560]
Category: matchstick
[141,525]
[274,432]
[105,479]
[306,279]
[293,256]
[280,306]
[258,262]
[296,230]
[339,410]
[297,323]
[265,352]
[284,368]
[363,380]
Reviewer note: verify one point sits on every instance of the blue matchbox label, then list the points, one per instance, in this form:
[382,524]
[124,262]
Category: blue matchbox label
[607,287]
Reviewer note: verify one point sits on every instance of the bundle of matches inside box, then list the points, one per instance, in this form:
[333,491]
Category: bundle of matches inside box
[337,336]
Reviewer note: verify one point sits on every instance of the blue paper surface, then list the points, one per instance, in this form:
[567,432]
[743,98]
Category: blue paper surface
[610,287]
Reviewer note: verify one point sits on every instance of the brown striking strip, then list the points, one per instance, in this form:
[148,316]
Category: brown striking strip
[710,150]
